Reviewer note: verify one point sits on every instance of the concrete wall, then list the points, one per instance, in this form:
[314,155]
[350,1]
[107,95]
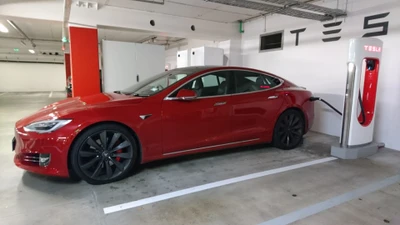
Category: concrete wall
[124,61]
[321,66]
[170,54]
[232,51]
[31,77]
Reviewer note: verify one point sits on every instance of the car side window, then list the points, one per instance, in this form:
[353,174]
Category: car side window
[272,81]
[212,84]
[210,80]
[250,81]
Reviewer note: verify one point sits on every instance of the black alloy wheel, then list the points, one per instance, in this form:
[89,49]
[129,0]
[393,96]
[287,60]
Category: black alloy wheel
[289,130]
[104,154]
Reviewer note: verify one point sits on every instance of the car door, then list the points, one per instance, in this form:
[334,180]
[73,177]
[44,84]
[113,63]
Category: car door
[202,123]
[255,105]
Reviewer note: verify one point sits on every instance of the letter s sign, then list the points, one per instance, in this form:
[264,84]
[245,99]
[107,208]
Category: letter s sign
[384,25]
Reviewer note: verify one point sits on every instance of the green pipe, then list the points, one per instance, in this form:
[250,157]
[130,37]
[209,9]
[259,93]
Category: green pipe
[241,30]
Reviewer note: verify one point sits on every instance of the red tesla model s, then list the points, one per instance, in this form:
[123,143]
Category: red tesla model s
[101,138]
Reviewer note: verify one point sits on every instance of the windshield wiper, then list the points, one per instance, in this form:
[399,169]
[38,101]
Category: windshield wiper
[122,93]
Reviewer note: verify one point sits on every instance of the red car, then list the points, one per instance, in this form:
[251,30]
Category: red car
[101,138]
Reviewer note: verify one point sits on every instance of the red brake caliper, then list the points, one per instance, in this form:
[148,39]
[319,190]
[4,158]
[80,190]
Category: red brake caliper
[118,158]
[118,151]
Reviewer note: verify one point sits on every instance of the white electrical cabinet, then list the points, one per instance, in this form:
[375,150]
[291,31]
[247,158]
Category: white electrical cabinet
[182,59]
[206,56]
[126,63]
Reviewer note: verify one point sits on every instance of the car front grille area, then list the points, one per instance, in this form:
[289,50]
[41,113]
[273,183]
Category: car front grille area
[30,158]
[34,159]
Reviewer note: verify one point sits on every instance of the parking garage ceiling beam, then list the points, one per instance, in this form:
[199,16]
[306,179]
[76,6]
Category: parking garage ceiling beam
[167,25]
[285,9]
[308,6]
[22,33]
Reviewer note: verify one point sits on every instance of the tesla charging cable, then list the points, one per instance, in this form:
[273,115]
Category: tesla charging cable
[362,108]
[312,99]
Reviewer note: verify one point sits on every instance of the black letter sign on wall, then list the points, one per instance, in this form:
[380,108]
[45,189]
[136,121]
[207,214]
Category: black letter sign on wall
[297,32]
[334,31]
[384,25]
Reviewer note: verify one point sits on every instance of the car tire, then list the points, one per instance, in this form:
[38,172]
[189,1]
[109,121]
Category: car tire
[104,153]
[289,130]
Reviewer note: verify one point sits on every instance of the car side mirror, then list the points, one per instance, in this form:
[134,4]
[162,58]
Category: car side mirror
[186,95]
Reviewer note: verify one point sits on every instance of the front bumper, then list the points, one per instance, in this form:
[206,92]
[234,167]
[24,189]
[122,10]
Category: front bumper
[28,146]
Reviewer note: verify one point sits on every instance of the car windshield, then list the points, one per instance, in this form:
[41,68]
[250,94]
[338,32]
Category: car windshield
[157,83]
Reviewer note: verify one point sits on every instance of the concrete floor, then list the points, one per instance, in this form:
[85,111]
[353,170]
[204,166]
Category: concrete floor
[29,199]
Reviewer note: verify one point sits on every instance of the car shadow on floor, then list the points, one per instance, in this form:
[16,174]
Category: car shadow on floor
[197,156]
[28,176]
[30,179]
[204,155]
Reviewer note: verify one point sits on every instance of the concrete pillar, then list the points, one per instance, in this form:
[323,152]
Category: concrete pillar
[84,61]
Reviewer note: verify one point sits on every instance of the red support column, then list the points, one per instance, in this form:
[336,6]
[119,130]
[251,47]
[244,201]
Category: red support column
[84,61]
[67,64]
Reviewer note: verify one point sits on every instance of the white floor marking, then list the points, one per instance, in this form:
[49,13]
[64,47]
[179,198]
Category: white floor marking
[203,187]
[51,94]
[322,206]
[3,93]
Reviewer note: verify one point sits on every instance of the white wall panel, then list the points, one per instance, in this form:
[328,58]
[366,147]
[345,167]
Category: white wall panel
[207,56]
[124,61]
[182,59]
[171,53]
[31,77]
[321,66]
[150,60]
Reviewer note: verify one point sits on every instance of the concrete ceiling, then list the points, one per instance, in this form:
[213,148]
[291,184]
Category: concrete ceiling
[188,8]
[210,19]
[138,36]
[47,35]
[199,9]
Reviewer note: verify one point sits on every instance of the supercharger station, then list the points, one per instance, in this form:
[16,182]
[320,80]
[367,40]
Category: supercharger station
[358,120]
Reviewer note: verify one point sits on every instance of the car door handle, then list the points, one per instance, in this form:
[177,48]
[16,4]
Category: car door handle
[219,103]
[273,97]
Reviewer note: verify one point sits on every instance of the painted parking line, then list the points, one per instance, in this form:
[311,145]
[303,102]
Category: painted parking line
[322,206]
[158,198]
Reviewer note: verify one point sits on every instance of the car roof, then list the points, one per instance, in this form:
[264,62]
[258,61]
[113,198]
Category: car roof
[193,70]
[196,69]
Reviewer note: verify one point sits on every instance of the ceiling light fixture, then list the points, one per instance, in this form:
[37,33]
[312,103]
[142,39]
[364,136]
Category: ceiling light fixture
[32,51]
[3,28]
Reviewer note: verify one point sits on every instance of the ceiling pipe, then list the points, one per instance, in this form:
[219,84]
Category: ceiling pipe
[272,12]
[34,40]
[271,8]
[307,6]
[176,44]
[267,8]
[152,37]
[67,12]
[21,32]
[151,1]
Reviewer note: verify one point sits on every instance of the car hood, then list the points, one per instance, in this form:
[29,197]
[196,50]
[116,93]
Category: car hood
[69,106]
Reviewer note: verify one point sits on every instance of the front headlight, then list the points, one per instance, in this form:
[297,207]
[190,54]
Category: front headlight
[46,126]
